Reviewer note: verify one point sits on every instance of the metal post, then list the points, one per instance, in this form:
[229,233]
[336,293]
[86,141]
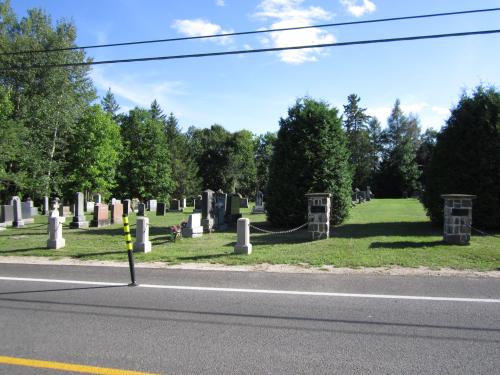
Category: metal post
[128,243]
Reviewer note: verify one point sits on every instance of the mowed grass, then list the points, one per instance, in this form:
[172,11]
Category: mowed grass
[382,232]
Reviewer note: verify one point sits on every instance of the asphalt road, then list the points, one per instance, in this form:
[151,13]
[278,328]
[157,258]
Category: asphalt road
[191,331]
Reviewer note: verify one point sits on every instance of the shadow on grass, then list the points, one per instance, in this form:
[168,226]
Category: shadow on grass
[206,257]
[399,229]
[22,250]
[87,255]
[401,245]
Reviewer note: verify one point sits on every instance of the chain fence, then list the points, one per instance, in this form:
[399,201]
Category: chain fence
[484,233]
[278,232]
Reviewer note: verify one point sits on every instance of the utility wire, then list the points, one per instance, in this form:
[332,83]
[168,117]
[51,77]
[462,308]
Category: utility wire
[255,31]
[237,52]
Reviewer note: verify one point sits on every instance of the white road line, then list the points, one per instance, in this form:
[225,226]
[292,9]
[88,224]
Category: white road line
[262,291]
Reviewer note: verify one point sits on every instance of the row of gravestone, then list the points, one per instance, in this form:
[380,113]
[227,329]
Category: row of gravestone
[17,213]
[361,196]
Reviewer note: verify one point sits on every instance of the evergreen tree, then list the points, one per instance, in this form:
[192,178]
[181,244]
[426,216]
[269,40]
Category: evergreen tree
[310,155]
[466,158]
[264,147]
[157,112]
[399,173]
[110,105]
[241,171]
[358,137]
[145,170]
[377,147]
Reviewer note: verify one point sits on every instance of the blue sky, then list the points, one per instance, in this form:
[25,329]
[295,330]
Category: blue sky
[253,91]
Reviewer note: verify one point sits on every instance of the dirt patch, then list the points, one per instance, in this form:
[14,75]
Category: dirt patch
[285,268]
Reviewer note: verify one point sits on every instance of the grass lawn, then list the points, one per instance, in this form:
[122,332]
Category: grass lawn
[383,232]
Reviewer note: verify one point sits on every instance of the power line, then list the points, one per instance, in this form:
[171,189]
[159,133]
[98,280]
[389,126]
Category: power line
[276,49]
[254,31]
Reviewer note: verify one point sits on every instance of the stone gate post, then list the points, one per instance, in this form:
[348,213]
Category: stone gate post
[318,215]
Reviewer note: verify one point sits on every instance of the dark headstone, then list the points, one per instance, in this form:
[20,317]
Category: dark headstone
[160,209]
[127,206]
[101,216]
[174,205]
[220,210]
[244,203]
[141,209]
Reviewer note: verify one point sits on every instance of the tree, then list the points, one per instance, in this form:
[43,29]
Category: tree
[46,102]
[264,147]
[145,170]
[399,173]
[424,152]
[96,146]
[241,170]
[186,182]
[358,137]
[310,155]
[466,158]
[377,147]
[157,112]
[110,105]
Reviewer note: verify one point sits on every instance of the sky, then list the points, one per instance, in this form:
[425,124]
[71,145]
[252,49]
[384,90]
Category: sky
[253,91]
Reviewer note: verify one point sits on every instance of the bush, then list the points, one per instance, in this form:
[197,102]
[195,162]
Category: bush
[310,156]
[466,158]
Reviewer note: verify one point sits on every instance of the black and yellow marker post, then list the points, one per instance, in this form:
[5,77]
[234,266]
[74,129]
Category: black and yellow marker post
[128,242]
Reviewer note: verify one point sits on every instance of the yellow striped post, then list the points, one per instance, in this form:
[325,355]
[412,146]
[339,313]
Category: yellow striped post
[128,243]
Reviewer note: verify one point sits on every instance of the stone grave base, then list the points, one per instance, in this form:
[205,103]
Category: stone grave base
[100,223]
[192,232]
[56,244]
[258,210]
[142,247]
[79,224]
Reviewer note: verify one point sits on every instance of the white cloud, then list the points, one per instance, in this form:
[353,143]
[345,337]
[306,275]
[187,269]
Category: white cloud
[136,89]
[381,113]
[414,108]
[291,13]
[441,111]
[201,27]
[220,3]
[359,7]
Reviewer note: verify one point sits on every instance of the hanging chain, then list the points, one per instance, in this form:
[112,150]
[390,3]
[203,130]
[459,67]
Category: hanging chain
[483,233]
[279,232]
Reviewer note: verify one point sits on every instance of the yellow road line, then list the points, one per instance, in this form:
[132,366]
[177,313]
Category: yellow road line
[70,367]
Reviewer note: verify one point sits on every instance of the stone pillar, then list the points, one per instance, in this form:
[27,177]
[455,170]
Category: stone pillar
[207,210]
[79,218]
[457,218]
[141,208]
[142,242]
[193,228]
[46,208]
[243,245]
[18,221]
[318,215]
[56,240]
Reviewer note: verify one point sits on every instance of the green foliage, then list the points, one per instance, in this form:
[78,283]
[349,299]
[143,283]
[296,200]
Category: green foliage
[225,160]
[110,105]
[466,158]
[145,170]
[46,102]
[264,147]
[96,146]
[399,173]
[186,182]
[310,156]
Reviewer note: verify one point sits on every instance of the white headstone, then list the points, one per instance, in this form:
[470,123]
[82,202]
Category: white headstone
[56,240]
[193,228]
[243,245]
[18,213]
[142,242]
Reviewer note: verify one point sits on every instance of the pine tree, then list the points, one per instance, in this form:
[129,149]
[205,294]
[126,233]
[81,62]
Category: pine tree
[157,112]
[109,104]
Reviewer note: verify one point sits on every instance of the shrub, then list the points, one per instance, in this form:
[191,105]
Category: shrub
[310,156]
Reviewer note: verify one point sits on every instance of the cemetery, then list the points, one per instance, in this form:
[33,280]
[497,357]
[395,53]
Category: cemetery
[379,232]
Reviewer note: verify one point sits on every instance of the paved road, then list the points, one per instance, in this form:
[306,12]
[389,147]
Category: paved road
[191,331]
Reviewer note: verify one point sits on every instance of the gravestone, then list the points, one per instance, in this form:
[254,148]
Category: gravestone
[233,209]
[135,204]
[207,210]
[259,203]
[160,209]
[244,203]
[46,208]
[113,200]
[193,228]
[7,214]
[17,221]
[89,206]
[220,210]
[56,240]
[174,205]
[182,204]
[101,216]
[457,218]
[152,205]
[117,213]
[127,206]
[142,242]
[28,211]
[318,214]
[141,209]
[243,245]
[97,198]
[198,204]
[368,194]
[79,220]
